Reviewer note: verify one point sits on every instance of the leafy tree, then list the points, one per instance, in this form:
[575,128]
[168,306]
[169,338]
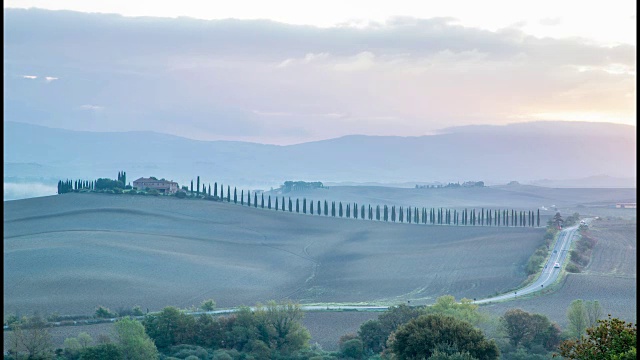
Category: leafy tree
[610,339]
[594,312]
[352,349]
[101,352]
[421,337]
[529,330]
[34,339]
[169,327]
[577,316]
[557,219]
[464,310]
[134,343]
[208,305]
[279,325]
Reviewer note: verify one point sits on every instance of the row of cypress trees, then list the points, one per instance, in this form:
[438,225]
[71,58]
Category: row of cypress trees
[414,215]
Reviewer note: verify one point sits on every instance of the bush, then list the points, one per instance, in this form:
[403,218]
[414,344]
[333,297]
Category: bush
[208,305]
[153,192]
[181,195]
[572,268]
[104,313]
[132,192]
[117,191]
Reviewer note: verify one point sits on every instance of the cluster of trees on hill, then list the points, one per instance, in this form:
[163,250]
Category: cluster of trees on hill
[289,186]
[67,186]
[446,330]
[452,185]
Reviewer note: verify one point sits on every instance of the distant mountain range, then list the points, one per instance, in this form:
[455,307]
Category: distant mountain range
[596,154]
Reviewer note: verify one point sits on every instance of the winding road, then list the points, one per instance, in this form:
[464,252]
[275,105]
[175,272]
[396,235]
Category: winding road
[551,269]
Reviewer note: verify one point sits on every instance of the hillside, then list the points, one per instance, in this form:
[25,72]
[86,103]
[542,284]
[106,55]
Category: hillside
[494,154]
[71,252]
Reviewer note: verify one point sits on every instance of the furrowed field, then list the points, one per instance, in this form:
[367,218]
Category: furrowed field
[70,253]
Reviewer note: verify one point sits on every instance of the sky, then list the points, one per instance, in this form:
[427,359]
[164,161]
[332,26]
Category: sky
[287,72]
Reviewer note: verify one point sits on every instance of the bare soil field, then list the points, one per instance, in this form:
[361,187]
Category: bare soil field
[610,278]
[70,253]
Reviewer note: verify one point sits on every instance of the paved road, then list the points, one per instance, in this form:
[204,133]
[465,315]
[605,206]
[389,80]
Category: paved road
[550,272]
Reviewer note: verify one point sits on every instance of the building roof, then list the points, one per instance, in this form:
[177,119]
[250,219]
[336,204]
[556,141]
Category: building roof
[142,179]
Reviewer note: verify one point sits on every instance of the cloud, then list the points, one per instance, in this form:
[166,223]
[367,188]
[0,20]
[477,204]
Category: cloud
[410,75]
[29,77]
[91,107]
[551,21]
[50,78]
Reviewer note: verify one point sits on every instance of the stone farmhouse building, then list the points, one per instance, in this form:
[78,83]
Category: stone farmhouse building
[163,186]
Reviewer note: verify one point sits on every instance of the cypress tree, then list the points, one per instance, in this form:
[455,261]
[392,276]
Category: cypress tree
[304,205]
[538,220]
[393,213]
[249,198]
[362,212]
[215,189]
[255,200]
[269,203]
[235,195]
[355,210]
[297,205]
[370,212]
[311,207]
[409,214]
[400,215]
[242,197]
[198,187]
[290,205]
[221,192]
[348,215]
[262,200]
[340,208]
[319,208]
[416,215]
[333,208]
[326,208]
[378,212]
[276,203]
[283,204]
[191,186]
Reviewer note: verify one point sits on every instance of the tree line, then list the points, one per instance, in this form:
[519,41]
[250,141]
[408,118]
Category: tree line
[445,330]
[406,214]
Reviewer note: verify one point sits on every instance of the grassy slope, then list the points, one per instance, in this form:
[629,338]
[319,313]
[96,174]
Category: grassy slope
[69,253]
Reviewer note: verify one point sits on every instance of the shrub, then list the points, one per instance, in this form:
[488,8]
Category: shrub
[208,305]
[181,195]
[132,192]
[117,191]
[153,192]
[572,268]
[104,313]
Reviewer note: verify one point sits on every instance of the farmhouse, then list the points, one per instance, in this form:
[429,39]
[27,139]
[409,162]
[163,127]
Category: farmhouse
[625,205]
[163,186]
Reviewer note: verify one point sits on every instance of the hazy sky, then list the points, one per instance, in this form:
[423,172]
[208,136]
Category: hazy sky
[318,69]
